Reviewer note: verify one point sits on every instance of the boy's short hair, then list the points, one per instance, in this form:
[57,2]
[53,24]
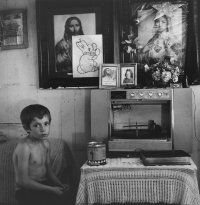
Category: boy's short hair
[31,111]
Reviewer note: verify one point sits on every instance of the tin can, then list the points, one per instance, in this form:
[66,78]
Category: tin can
[96,152]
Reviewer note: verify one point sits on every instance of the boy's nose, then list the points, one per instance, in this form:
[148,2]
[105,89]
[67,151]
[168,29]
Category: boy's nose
[42,128]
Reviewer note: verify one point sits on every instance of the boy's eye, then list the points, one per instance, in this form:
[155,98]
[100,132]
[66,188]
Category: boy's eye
[37,125]
[46,123]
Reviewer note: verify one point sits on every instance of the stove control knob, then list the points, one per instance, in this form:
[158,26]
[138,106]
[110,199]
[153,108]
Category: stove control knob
[141,94]
[150,94]
[132,94]
[166,93]
[159,94]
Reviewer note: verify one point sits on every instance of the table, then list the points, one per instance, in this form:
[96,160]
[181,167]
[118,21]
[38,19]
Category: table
[127,180]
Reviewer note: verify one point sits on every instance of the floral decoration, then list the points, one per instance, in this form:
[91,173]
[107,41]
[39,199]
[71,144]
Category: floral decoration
[128,44]
[164,73]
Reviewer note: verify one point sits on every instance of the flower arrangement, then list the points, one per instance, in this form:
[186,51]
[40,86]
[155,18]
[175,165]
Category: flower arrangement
[128,45]
[164,73]
[128,48]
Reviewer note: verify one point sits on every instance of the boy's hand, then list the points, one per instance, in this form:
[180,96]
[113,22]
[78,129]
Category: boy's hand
[58,191]
[65,187]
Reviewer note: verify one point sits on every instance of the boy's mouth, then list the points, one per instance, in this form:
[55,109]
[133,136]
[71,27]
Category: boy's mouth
[44,135]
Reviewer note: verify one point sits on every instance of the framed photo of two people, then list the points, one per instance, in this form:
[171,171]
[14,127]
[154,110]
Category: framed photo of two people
[71,42]
[118,75]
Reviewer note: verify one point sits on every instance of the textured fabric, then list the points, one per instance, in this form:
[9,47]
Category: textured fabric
[127,180]
[59,160]
[7,188]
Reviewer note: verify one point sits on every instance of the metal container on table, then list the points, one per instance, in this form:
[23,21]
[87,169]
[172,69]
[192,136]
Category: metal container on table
[96,152]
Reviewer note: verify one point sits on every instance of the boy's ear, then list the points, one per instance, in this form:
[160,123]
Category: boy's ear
[26,128]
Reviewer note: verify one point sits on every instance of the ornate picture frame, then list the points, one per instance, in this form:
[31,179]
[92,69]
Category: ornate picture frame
[154,30]
[154,34]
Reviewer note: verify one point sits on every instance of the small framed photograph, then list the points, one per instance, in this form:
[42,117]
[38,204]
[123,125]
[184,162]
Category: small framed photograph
[13,29]
[109,75]
[128,75]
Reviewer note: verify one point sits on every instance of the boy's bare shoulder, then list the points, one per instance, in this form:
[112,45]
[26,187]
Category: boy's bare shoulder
[22,144]
[21,150]
[23,141]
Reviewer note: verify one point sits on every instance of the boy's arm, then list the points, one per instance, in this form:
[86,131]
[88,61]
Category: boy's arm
[21,160]
[50,172]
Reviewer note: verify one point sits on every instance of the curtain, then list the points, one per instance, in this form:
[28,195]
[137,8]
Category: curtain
[192,68]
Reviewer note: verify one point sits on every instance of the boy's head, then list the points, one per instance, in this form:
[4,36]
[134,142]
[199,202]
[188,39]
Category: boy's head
[29,113]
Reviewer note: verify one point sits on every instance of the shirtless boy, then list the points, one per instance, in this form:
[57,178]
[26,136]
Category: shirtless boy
[35,181]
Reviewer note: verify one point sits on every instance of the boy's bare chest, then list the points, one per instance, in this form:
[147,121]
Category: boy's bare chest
[37,154]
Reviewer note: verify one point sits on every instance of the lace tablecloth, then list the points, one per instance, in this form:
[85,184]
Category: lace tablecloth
[127,180]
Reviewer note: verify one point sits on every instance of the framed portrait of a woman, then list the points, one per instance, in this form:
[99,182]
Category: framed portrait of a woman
[162,33]
[154,35]
[128,75]
[157,30]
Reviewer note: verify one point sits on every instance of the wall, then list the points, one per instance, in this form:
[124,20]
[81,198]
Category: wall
[70,108]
